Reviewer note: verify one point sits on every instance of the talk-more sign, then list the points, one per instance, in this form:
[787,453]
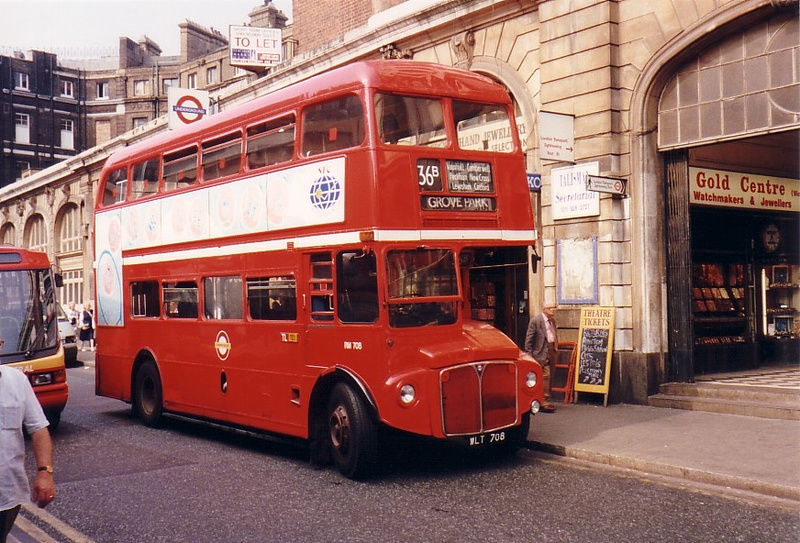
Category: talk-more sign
[595,347]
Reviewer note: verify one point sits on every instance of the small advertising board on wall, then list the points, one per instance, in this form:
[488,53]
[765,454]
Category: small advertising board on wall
[255,47]
[595,347]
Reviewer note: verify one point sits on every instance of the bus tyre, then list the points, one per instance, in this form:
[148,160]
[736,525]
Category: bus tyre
[352,433]
[147,395]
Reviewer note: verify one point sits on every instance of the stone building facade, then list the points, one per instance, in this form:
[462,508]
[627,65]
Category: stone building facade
[653,91]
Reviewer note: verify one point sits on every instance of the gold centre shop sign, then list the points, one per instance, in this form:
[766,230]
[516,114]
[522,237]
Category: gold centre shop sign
[743,190]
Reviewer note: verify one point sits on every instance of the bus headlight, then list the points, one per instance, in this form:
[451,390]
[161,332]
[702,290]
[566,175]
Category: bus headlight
[535,407]
[407,394]
[530,379]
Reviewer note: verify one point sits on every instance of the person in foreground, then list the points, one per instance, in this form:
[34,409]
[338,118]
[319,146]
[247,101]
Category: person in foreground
[20,409]
[541,342]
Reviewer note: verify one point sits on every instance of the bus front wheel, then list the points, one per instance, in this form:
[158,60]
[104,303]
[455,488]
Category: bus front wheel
[352,433]
[147,399]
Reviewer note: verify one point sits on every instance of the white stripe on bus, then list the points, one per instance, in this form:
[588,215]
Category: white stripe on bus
[331,240]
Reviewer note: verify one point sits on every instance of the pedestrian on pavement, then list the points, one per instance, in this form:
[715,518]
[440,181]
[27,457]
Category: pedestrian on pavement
[87,327]
[541,343]
[20,409]
[72,315]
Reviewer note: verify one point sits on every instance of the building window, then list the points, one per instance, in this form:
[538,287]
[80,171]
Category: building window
[70,234]
[22,128]
[191,81]
[7,234]
[212,75]
[66,88]
[36,238]
[140,87]
[67,134]
[73,284]
[21,81]
[167,83]
[139,121]
[102,91]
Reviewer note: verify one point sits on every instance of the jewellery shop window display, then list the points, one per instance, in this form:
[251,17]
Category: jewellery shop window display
[722,335]
[780,320]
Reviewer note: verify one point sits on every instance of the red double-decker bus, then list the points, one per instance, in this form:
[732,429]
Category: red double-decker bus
[313,263]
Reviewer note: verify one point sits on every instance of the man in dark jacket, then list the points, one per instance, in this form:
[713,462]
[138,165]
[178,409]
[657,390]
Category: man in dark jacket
[541,343]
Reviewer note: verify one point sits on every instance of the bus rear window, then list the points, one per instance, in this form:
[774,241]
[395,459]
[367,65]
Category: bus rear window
[114,190]
[333,126]
[482,127]
[407,120]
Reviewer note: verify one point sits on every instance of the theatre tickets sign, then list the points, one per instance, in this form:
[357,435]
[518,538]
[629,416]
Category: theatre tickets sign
[743,190]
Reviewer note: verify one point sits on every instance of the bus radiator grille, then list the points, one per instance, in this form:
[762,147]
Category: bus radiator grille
[478,398]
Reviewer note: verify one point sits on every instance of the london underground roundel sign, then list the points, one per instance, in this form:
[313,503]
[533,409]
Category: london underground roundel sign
[189,109]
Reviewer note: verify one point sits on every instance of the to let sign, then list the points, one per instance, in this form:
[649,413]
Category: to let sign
[255,46]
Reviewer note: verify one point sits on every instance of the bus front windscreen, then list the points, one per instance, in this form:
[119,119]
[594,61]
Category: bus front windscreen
[28,318]
[418,279]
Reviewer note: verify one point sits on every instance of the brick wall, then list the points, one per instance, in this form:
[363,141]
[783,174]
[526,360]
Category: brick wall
[317,23]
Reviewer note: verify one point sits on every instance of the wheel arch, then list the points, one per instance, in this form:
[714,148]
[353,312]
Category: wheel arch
[142,357]
[317,416]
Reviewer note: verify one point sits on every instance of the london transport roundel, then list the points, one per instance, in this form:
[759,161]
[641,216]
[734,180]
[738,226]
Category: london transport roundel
[189,109]
[325,191]
[222,345]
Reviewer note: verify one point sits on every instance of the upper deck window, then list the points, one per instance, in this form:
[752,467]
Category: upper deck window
[333,126]
[407,120]
[271,142]
[145,179]
[180,169]
[222,156]
[482,127]
[116,183]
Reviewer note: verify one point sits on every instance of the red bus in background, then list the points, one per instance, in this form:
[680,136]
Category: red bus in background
[29,337]
[310,263]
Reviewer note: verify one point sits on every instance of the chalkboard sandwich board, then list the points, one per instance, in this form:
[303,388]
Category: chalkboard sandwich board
[595,347]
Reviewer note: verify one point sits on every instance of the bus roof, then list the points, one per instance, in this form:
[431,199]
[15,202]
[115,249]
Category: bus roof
[12,257]
[402,76]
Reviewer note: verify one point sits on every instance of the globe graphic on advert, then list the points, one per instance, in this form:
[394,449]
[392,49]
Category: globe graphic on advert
[325,191]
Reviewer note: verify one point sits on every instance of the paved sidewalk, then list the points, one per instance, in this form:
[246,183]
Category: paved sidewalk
[746,453]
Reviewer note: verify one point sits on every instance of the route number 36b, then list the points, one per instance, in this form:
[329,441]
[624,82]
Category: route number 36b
[429,174]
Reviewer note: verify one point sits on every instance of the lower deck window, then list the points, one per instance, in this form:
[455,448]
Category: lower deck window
[272,298]
[180,299]
[144,299]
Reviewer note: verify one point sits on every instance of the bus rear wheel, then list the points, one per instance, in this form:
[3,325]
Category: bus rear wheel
[147,395]
[352,433]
